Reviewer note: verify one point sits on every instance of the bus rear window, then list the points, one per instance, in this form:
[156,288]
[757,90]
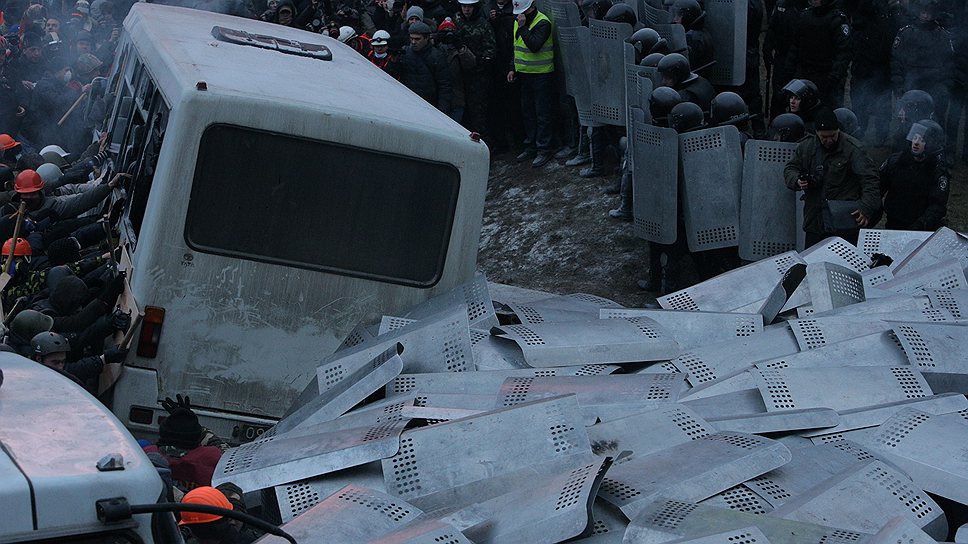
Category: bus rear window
[290,201]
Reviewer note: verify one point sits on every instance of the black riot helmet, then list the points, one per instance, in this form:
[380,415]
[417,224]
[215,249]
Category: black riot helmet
[688,13]
[651,59]
[686,116]
[595,9]
[647,41]
[728,109]
[621,13]
[915,104]
[848,121]
[674,69]
[661,102]
[926,137]
[46,343]
[787,127]
[806,91]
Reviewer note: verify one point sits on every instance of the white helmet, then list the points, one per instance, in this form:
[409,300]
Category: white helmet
[468,2]
[56,149]
[380,37]
[49,172]
[346,33]
[520,6]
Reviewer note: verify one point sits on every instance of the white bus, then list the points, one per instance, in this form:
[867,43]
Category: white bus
[61,453]
[284,189]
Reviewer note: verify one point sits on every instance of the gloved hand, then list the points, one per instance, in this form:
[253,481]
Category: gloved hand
[121,321]
[180,403]
[99,158]
[112,290]
[115,354]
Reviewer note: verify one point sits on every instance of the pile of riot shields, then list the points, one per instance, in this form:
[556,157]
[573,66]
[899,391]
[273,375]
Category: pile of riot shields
[805,397]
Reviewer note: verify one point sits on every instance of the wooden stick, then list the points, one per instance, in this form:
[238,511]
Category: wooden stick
[5,275]
[73,107]
[128,336]
[16,234]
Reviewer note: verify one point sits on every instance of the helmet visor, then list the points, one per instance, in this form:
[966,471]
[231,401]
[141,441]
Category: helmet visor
[795,87]
[918,133]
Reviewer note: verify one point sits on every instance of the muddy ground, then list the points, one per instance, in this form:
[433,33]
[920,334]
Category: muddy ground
[548,229]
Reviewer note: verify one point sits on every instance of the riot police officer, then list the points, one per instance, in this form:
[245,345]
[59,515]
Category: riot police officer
[821,50]
[691,16]
[647,41]
[913,105]
[915,183]
[661,276]
[875,24]
[787,127]
[674,71]
[923,57]
[729,108]
[776,49]
[802,100]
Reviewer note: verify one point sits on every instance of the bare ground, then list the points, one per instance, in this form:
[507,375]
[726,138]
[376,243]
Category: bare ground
[548,229]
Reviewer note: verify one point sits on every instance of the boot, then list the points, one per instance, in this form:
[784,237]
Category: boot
[623,212]
[565,152]
[584,154]
[597,148]
[527,154]
[654,283]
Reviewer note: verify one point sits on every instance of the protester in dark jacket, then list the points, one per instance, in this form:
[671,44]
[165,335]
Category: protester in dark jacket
[424,69]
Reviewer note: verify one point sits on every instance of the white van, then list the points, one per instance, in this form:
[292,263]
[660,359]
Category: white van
[285,189]
[62,452]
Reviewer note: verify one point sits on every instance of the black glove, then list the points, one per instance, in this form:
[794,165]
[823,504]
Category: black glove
[115,354]
[99,158]
[112,290]
[121,321]
[180,403]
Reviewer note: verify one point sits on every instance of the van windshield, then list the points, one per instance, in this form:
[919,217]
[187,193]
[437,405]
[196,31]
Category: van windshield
[284,200]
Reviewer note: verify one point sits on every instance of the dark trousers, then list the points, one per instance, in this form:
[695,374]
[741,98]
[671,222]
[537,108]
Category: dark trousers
[475,100]
[537,91]
[504,112]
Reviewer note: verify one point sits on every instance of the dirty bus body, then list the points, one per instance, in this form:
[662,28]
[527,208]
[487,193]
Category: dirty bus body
[278,199]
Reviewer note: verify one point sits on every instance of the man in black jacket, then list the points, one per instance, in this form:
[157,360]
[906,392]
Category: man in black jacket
[915,182]
[821,50]
[424,69]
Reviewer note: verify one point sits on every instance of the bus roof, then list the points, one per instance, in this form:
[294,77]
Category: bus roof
[179,49]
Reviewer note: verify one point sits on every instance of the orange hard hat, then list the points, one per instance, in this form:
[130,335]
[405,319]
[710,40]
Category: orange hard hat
[7,142]
[22,248]
[208,496]
[28,181]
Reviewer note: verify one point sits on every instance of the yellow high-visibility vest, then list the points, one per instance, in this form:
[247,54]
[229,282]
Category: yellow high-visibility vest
[528,62]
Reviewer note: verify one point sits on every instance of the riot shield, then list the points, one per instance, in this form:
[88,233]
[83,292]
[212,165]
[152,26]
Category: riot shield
[655,179]
[712,167]
[766,230]
[607,71]
[675,35]
[563,14]
[653,16]
[726,23]
[573,44]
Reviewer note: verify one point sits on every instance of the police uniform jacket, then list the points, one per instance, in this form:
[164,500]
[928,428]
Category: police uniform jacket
[915,192]
[847,174]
